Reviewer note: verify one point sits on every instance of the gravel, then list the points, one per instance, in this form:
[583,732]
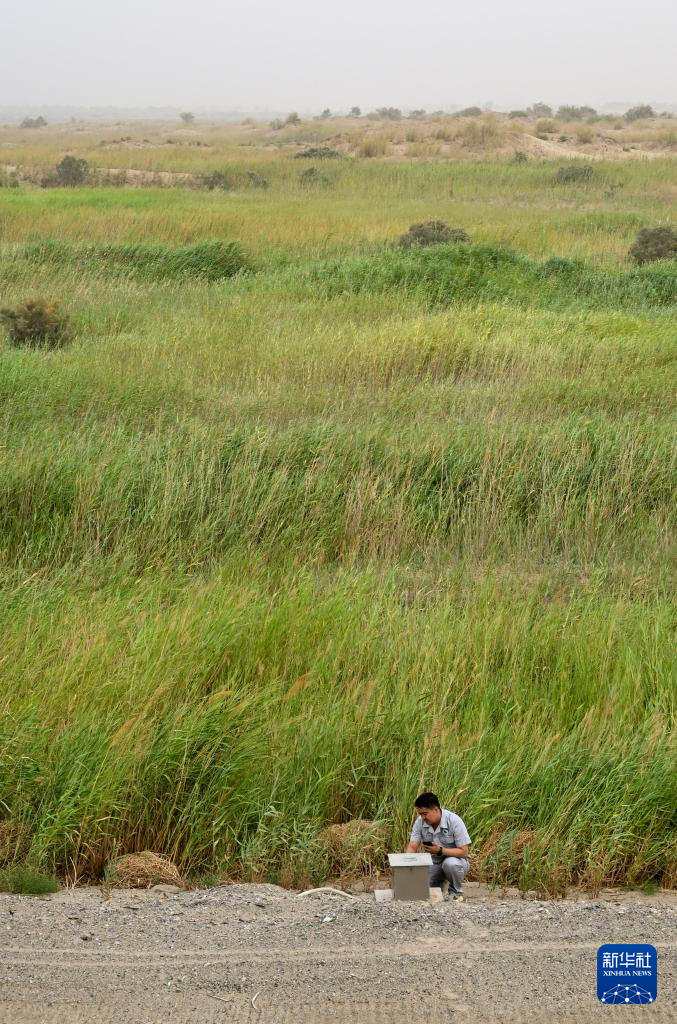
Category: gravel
[260,953]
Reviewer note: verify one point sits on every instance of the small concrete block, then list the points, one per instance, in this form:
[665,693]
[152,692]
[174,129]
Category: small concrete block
[383,895]
[436,895]
[410,872]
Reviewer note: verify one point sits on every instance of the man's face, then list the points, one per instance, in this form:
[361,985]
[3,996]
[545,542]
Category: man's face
[431,815]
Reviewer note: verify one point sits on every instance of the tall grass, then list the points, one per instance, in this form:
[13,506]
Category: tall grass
[284,548]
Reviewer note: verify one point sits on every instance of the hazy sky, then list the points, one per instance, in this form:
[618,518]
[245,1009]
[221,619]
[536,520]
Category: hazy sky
[308,54]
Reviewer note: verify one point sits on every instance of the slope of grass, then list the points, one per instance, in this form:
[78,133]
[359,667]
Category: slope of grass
[284,548]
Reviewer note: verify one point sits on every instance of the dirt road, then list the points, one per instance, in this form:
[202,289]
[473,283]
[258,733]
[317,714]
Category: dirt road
[257,953]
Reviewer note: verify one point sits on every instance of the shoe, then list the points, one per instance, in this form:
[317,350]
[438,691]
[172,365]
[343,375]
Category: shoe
[456,897]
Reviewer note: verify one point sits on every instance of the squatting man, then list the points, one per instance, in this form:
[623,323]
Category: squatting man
[442,834]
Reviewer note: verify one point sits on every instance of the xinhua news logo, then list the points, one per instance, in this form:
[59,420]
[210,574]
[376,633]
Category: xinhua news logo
[627,973]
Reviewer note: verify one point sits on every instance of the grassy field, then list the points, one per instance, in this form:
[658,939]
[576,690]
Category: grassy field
[281,549]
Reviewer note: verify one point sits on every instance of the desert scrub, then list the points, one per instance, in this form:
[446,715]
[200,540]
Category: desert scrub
[431,232]
[36,323]
[654,244]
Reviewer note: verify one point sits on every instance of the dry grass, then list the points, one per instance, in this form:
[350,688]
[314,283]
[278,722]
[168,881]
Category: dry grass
[15,841]
[141,870]
[356,847]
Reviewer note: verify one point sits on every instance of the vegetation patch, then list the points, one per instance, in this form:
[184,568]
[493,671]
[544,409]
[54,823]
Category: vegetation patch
[431,232]
[27,881]
[653,244]
[141,870]
[209,260]
[36,323]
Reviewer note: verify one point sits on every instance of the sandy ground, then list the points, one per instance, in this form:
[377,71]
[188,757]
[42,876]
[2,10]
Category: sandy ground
[259,953]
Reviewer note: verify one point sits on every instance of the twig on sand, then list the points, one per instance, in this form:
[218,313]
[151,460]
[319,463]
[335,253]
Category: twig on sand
[254,998]
[326,888]
[220,998]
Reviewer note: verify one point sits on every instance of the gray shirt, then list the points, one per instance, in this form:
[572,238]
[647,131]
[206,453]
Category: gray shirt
[451,831]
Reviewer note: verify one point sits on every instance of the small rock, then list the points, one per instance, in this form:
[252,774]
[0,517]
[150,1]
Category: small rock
[259,903]
[169,889]
[87,936]
[327,919]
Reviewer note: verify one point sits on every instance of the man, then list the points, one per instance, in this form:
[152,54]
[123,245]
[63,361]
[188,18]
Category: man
[443,835]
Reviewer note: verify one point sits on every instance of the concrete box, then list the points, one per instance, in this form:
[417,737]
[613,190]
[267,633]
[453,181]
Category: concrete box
[411,875]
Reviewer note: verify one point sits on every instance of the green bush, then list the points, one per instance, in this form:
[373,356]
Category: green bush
[574,174]
[514,114]
[311,176]
[520,157]
[215,180]
[33,122]
[257,180]
[637,113]
[389,113]
[654,244]
[539,110]
[318,153]
[72,170]
[572,113]
[26,881]
[35,323]
[431,232]
[469,112]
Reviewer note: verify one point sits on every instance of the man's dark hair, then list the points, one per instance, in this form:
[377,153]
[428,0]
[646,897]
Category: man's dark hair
[426,800]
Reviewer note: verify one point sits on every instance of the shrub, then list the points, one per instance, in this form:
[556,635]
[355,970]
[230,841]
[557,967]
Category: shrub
[636,113]
[9,179]
[277,124]
[416,115]
[72,170]
[483,132]
[35,323]
[357,847]
[318,153]
[33,122]
[389,113]
[574,174]
[584,134]
[216,179]
[256,180]
[26,881]
[311,176]
[325,114]
[539,110]
[514,114]
[520,157]
[572,113]
[545,126]
[374,147]
[292,118]
[654,244]
[469,112]
[355,112]
[187,117]
[431,232]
